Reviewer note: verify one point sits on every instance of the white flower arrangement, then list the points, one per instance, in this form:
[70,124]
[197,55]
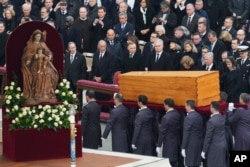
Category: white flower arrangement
[38,117]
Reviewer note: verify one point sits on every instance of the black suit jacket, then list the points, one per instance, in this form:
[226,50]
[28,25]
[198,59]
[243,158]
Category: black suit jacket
[171,23]
[118,124]
[104,67]
[219,47]
[132,64]
[165,62]
[91,128]
[3,40]
[75,70]
[192,26]
[192,138]
[239,7]
[169,134]
[123,34]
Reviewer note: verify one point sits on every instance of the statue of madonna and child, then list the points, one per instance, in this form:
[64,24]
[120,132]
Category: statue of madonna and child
[40,77]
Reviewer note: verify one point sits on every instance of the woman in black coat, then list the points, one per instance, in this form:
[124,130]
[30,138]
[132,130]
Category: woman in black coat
[232,81]
[191,50]
[143,20]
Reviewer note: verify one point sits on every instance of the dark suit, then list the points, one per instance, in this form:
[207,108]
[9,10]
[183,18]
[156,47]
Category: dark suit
[103,67]
[169,135]
[60,20]
[216,11]
[99,32]
[218,48]
[122,34]
[148,49]
[132,64]
[239,7]
[232,31]
[165,62]
[245,72]
[192,26]
[171,23]
[145,127]
[118,125]
[75,70]
[71,34]
[91,128]
[3,40]
[241,120]
[215,146]
[192,138]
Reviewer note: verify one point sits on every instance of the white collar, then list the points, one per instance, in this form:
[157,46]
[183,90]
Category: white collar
[143,107]
[214,114]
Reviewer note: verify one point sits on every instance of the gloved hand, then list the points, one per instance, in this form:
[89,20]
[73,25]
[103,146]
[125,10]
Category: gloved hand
[133,147]
[103,139]
[230,107]
[203,155]
[158,150]
[183,152]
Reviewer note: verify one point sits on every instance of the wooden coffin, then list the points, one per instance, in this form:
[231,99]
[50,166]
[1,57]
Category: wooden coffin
[201,86]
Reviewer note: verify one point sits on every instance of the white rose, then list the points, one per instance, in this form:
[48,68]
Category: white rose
[24,112]
[15,107]
[20,115]
[11,87]
[13,121]
[7,101]
[49,118]
[61,113]
[41,121]
[54,111]
[67,86]
[64,109]
[18,89]
[63,94]
[30,112]
[49,111]
[33,111]
[9,97]
[6,88]
[55,124]
[36,116]
[56,91]
[74,96]
[7,110]
[17,119]
[64,80]
[12,83]
[40,106]
[41,115]
[61,84]
[65,102]
[57,118]
[60,122]
[71,92]
[18,96]
[35,126]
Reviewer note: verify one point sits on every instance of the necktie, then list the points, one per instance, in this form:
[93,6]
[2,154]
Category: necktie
[123,26]
[189,21]
[111,43]
[71,58]
[100,56]
[242,62]
[130,56]
[211,47]
[207,68]
[157,57]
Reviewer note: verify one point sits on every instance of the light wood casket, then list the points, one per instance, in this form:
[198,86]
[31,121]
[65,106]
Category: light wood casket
[201,86]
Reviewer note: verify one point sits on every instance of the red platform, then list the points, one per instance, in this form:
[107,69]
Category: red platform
[31,144]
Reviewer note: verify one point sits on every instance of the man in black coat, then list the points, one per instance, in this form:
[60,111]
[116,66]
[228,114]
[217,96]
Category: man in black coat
[240,118]
[216,11]
[91,128]
[167,18]
[99,27]
[215,145]
[216,46]
[192,135]
[118,125]
[75,67]
[132,59]
[3,41]
[159,60]
[191,19]
[169,133]
[146,128]
[102,65]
